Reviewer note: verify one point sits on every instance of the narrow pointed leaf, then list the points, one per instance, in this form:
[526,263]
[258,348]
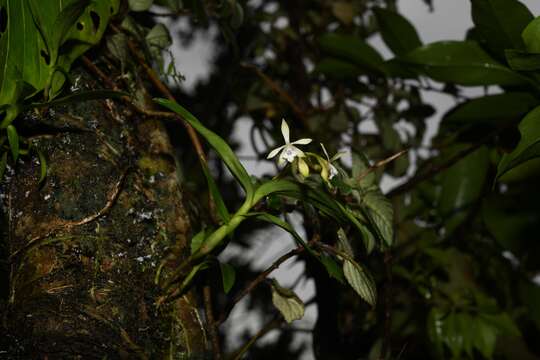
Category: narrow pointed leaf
[220,146]
[42,166]
[228,276]
[217,199]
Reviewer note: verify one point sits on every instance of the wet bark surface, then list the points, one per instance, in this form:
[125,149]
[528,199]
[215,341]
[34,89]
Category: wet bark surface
[84,250]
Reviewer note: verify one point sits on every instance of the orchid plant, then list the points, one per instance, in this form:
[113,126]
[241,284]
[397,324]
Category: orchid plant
[368,218]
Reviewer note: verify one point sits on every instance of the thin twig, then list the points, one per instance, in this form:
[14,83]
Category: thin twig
[432,171]
[213,327]
[381,164]
[271,325]
[259,279]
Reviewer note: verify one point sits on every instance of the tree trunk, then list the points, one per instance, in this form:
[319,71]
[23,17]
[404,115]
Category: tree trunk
[84,249]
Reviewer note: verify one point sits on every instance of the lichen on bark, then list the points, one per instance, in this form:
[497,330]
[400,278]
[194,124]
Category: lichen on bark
[83,250]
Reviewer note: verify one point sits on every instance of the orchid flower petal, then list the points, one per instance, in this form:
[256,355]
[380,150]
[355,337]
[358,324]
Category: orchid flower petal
[301,142]
[285,131]
[275,152]
[325,152]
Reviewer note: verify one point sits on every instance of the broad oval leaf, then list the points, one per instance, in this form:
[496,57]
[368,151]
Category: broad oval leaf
[499,24]
[462,186]
[378,209]
[495,109]
[338,69]
[531,36]
[352,49]
[461,62]
[360,281]
[159,37]
[397,32]
[228,276]
[287,302]
[529,145]
[220,146]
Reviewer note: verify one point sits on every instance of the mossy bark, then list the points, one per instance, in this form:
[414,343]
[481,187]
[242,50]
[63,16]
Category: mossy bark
[84,249]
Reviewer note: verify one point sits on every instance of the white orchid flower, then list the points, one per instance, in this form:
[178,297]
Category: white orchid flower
[288,151]
[331,171]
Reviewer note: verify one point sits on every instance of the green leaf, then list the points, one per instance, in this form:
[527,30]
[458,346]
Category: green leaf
[397,32]
[486,336]
[343,243]
[361,178]
[117,45]
[522,61]
[220,146]
[462,186]
[3,164]
[378,209]
[42,166]
[140,5]
[352,49]
[159,37]
[287,302]
[198,240]
[338,69]
[461,62]
[228,276]
[13,140]
[529,145]
[531,36]
[499,24]
[221,208]
[332,267]
[496,109]
[360,281]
